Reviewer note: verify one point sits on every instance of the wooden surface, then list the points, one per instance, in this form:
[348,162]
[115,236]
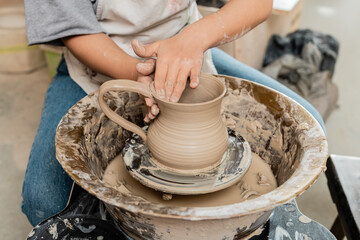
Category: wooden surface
[343,176]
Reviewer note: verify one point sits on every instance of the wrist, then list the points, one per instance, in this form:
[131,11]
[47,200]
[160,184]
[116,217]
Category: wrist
[198,34]
[134,74]
[126,68]
[206,32]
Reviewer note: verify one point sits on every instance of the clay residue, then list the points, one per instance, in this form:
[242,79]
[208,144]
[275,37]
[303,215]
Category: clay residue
[86,141]
[262,179]
[258,125]
[304,219]
[249,187]
[53,231]
[252,120]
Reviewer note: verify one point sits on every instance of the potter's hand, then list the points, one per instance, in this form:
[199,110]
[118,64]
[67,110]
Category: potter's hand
[181,55]
[177,58]
[146,75]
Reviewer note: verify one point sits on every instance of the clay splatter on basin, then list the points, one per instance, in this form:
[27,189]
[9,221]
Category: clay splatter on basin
[279,131]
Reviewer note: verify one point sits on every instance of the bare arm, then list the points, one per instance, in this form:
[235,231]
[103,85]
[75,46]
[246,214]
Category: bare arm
[181,56]
[231,22]
[101,54]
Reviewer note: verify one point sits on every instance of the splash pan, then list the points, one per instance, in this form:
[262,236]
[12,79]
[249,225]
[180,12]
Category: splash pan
[277,128]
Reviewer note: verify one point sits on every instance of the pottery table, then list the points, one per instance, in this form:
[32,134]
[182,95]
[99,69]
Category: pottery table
[85,217]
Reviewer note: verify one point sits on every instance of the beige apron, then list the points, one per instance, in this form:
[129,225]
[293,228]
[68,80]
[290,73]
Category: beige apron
[147,21]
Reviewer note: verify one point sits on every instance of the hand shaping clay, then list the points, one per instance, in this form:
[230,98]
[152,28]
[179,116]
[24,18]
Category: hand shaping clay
[188,136]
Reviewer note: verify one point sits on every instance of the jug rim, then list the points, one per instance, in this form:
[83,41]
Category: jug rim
[209,76]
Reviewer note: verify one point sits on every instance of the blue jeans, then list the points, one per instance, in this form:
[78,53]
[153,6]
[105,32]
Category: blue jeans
[46,186]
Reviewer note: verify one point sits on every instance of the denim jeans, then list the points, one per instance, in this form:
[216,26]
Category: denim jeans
[46,186]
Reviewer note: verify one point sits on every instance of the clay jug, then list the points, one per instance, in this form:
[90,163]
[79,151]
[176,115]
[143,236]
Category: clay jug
[188,136]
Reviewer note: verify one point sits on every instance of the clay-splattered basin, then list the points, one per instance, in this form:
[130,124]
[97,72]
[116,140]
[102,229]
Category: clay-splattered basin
[282,132]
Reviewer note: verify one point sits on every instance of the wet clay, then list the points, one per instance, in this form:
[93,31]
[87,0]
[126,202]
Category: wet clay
[278,129]
[258,180]
[200,94]
[186,136]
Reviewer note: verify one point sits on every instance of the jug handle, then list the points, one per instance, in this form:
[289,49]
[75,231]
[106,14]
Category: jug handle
[123,85]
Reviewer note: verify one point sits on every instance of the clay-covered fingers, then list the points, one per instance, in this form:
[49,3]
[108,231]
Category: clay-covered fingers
[188,68]
[160,78]
[147,67]
[143,51]
[150,116]
[195,76]
[149,102]
[146,80]
[180,84]
[147,119]
[171,78]
[146,75]
[177,58]
[153,110]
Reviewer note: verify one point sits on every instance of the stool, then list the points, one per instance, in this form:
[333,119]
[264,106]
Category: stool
[343,175]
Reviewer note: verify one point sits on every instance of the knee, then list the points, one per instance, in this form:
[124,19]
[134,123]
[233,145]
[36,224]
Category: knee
[40,204]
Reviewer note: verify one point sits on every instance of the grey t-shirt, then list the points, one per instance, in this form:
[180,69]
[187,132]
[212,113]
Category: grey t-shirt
[49,21]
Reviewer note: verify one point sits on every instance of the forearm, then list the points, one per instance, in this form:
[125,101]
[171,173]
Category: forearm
[101,54]
[232,21]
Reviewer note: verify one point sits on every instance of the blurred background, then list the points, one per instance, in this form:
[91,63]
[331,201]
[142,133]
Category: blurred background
[326,72]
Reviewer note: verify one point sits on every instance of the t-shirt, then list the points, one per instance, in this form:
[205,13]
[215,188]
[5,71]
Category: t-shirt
[122,20]
[49,21]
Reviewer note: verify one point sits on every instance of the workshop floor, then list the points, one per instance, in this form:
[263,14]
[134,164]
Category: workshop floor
[21,99]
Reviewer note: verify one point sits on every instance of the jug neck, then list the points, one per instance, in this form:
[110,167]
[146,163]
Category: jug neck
[193,113]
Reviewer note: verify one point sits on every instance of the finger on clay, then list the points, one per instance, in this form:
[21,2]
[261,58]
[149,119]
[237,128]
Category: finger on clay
[171,78]
[145,68]
[160,76]
[147,119]
[145,51]
[179,88]
[151,116]
[194,79]
[154,110]
[149,102]
[180,85]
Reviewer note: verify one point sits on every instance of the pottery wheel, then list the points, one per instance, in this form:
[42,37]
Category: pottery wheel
[233,165]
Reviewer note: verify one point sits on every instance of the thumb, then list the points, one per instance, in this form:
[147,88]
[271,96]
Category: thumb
[145,51]
[147,67]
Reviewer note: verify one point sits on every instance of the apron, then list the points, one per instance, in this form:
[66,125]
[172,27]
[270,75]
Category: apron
[147,21]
